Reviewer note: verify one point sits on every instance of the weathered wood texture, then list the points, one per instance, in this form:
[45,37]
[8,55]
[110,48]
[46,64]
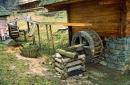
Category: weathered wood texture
[104,15]
[28,5]
[67,53]
[110,18]
[128,18]
[25,1]
[64,65]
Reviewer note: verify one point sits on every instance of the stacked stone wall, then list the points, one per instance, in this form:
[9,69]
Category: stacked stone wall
[117,53]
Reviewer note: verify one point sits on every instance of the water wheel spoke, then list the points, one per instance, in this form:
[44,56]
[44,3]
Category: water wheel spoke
[86,47]
[80,39]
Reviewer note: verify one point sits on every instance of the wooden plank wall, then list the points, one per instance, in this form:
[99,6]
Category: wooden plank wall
[28,5]
[128,18]
[103,14]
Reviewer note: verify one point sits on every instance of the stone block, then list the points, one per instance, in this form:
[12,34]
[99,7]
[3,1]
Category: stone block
[117,52]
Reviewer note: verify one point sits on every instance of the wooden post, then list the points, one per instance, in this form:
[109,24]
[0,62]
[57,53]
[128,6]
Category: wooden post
[123,17]
[25,38]
[52,39]
[47,37]
[28,26]
[39,41]
[34,41]
[70,34]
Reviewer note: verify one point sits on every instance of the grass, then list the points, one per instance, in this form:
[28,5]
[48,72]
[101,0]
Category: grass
[12,71]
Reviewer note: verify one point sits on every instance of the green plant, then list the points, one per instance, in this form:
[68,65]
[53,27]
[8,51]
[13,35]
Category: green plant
[30,50]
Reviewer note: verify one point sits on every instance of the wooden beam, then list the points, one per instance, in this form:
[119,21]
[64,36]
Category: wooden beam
[107,2]
[30,10]
[65,24]
[63,2]
[63,5]
[22,2]
[123,17]
[68,24]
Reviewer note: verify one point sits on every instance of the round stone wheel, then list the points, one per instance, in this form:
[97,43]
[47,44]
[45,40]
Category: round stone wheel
[92,42]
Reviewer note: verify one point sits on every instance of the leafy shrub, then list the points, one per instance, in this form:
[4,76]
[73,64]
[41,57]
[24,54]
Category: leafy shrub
[30,50]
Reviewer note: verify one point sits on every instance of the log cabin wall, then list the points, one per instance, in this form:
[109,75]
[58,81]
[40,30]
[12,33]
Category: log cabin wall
[128,18]
[28,5]
[103,14]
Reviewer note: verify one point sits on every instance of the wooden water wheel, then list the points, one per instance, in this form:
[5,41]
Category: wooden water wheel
[91,41]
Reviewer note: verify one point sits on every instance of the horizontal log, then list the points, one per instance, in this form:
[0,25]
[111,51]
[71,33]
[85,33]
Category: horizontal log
[61,72]
[75,68]
[70,64]
[58,60]
[57,55]
[61,66]
[66,53]
[74,63]
[82,57]
[62,60]
[75,46]
[69,69]
[66,24]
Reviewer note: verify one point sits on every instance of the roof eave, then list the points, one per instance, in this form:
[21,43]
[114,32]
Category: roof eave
[20,4]
[65,3]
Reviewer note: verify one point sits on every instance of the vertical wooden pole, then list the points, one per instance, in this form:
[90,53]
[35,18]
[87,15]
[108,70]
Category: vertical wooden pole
[25,38]
[52,38]
[28,26]
[47,37]
[34,41]
[123,17]
[39,41]
[70,34]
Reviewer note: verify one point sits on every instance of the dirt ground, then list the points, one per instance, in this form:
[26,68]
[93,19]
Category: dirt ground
[95,75]
[36,65]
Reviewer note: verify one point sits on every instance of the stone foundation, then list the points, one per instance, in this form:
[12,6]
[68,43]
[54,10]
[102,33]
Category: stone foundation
[117,53]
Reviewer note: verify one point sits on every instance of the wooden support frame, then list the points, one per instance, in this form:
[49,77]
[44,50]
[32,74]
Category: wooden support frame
[49,34]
